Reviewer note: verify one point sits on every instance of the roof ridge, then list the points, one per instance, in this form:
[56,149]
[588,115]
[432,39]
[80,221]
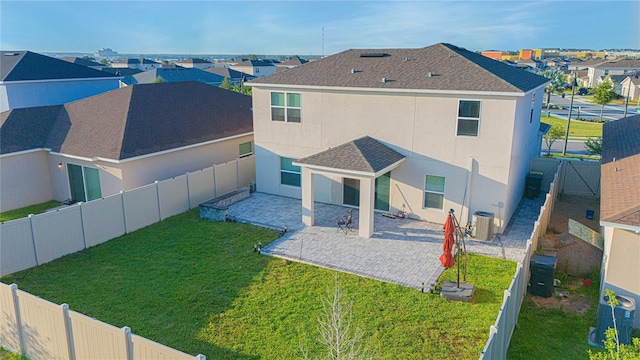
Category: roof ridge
[125,128]
[459,50]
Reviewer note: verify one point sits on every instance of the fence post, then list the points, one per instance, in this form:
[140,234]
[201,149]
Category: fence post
[33,239]
[68,331]
[201,357]
[124,213]
[126,331]
[158,197]
[237,173]
[16,308]
[188,192]
[84,236]
[215,189]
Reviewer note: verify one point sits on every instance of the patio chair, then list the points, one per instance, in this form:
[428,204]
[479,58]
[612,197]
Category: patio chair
[344,224]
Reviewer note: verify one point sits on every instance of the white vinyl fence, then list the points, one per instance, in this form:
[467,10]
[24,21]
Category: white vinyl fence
[40,329]
[500,333]
[576,177]
[35,240]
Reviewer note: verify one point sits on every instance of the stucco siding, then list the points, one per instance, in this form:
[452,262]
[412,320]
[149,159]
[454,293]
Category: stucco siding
[110,176]
[622,254]
[24,180]
[30,94]
[146,170]
[420,126]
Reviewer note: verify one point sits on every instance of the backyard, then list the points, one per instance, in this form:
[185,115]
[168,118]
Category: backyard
[25,211]
[199,287]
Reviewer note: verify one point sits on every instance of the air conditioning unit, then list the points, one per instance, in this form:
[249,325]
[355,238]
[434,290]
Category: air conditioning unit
[624,313]
[483,228]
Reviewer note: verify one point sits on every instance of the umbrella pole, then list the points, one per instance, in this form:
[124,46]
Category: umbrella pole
[457,247]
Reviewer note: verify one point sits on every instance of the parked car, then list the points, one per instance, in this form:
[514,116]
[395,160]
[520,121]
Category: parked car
[582,91]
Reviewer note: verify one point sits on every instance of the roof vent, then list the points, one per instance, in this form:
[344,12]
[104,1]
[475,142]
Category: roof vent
[406,59]
[374,55]
[384,80]
[429,74]
[353,71]
[449,55]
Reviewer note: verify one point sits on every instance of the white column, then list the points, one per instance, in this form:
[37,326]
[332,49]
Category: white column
[367,193]
[307,196]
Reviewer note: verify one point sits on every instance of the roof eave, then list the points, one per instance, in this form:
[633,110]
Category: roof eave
[620,226]
[393,90]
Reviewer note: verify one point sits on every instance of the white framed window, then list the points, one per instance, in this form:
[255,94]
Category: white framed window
[289,173]
[246,149]
[434,192]
[468,118]
[285,107]
[84,182]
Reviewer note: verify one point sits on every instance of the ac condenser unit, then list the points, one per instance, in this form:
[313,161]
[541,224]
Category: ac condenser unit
[624,313]
[483,229]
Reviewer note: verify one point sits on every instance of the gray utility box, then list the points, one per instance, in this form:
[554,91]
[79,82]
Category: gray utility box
[624,313]
[483,229]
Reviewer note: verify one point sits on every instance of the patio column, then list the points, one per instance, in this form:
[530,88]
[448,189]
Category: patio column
[367,194]
[307,196]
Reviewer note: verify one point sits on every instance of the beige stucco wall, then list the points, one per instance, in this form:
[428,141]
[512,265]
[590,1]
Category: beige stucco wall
[159,167]
[621,266]
[24,171]
[420,126]
[110,175]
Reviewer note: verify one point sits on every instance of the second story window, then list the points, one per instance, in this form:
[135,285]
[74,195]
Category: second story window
[468,118]
[285,107]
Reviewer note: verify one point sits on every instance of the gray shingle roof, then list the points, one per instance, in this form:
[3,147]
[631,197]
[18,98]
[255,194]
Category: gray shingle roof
[452,69]
[365,154]
[132,121]
[177,74]
[81,61]
[255,63]
[230,73]
[27,65]
[620,183]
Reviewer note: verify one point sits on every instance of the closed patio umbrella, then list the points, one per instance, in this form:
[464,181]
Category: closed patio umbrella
[447,246]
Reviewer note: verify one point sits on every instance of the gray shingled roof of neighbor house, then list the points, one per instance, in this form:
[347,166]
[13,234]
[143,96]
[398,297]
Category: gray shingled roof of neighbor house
[440,67]
[27,65]
[620,183]
[129,122]
[365,154]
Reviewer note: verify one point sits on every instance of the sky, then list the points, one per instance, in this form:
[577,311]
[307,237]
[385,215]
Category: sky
[313,27]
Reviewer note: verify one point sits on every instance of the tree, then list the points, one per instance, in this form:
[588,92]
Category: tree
[89,58]
[556,75]
[603,94]
[339,338]
[594,145]
[103,61]
[556,132]
[159,79]
[226,84]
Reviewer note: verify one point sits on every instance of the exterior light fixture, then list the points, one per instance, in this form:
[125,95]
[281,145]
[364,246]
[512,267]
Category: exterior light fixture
[59,165]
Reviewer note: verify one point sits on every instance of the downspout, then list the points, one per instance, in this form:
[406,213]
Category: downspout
[467,199]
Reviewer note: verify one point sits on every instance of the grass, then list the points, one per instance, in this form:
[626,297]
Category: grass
[25,211]
[198,286]
[579,129]
[573,156]
[544,333]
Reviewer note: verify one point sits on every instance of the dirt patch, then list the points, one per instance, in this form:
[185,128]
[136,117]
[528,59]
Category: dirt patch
[566,299]
[574,256]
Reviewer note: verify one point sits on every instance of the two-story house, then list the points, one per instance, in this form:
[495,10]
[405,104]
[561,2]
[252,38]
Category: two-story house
[30,79]
[620,207]
[140,64]
[414,130]
[257,68]
[624,66]
[196,63]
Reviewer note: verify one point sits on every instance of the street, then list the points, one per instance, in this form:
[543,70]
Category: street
[574,147]
[586,110]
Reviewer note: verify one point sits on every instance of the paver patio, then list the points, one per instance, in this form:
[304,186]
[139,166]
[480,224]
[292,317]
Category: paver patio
[401,251]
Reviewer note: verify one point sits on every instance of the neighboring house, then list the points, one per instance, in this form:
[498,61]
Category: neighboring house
[234,76]
[624,66]
[85,62]
[257,68]
[119,140]
[531,63]
[140,64]
[176,74]
[416,130]
[620,207]
[196,63]
[126,74]
[291,63]
[29,79]
[631,87]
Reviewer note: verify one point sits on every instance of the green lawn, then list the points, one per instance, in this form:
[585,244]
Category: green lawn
[198,286]
[544,333]
[578,128]
[25,211]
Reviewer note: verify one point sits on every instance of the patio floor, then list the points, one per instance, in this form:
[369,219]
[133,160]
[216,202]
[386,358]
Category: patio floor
[401,251]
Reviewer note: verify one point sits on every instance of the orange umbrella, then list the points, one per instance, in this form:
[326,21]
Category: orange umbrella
[447,257]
